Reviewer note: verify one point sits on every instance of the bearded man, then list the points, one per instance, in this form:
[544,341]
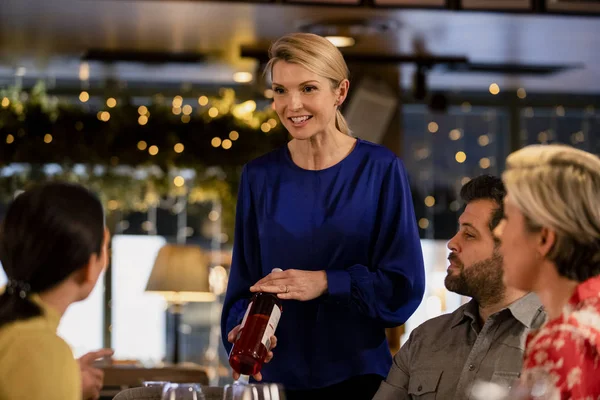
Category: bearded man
[483,339]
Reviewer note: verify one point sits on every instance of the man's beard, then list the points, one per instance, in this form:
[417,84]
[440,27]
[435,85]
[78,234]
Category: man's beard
[481,281]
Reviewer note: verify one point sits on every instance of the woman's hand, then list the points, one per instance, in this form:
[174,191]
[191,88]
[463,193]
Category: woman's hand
[293,284]
[232,337]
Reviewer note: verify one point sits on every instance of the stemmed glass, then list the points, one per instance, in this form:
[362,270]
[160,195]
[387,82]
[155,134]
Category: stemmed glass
[258,391]
[182,391]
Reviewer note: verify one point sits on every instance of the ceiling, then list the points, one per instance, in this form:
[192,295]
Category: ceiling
[47,38]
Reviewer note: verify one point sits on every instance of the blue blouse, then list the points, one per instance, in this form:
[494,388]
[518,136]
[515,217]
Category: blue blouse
[356,221]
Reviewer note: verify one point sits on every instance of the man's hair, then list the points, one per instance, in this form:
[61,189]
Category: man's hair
[486,187]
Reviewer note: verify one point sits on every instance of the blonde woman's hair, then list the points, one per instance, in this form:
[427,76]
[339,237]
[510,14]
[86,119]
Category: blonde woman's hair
[317,55]
[558,187]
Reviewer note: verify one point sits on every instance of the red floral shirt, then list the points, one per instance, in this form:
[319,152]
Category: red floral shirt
[564,354]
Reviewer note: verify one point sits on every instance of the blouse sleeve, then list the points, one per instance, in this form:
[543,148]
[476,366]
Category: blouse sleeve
[391,288]
[245,263]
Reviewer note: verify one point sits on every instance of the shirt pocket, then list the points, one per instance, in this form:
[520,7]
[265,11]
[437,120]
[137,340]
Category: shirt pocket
[424,385]
[506,379]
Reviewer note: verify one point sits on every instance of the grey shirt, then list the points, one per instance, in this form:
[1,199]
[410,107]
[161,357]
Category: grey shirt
[444,356]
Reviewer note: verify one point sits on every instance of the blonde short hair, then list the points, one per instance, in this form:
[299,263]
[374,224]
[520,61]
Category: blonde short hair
[317,55]
[558,187]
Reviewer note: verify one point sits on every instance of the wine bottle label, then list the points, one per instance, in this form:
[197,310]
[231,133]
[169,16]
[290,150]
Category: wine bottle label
[244,321]
[271,326]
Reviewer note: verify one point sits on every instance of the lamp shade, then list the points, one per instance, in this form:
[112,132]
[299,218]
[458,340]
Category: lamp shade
[180,274]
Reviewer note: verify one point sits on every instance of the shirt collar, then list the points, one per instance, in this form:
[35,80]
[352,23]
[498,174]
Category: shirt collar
[468,311]
[523,310]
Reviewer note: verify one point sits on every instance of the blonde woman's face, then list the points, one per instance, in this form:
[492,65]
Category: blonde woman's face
[518,247]
[303,100]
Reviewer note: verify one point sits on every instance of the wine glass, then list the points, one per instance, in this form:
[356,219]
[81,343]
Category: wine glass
[234,391]
[264,391]
[182,391]
[255,391]
[533,385]
[160,384]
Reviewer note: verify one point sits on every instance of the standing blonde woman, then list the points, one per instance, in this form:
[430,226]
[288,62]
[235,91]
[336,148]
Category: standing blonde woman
[336,214]
[551,245]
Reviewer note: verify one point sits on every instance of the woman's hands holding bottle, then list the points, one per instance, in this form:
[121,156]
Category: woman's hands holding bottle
[232,337]
[293,284]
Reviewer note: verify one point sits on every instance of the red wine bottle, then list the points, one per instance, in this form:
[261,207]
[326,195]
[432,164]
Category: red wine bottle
[254,338]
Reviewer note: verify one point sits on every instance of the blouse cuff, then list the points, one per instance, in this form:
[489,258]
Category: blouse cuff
[338,286]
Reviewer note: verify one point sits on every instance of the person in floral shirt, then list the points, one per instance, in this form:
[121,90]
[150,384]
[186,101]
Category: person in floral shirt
[551,245]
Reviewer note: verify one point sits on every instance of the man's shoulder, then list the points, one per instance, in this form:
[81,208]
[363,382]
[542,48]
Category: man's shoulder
[442,322]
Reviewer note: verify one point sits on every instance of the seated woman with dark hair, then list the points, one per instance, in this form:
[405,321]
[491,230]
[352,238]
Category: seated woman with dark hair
[551,246]
[53,248]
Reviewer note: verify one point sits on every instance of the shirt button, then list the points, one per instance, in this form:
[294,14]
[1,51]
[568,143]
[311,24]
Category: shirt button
[420,388]
[471,367]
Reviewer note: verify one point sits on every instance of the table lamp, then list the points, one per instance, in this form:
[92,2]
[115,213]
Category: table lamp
[180,275]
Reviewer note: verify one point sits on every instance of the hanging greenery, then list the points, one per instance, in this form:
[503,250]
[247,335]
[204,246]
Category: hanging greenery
[133,154]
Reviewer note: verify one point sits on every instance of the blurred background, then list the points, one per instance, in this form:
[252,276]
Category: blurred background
[156,105]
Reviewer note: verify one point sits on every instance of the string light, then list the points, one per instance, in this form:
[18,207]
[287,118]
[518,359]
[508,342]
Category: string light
[111,102]
[203,100]
[84,96]
[179,181]
[429,201]
[494,89]
[215,142]
[433,127]
[423,223]
[177,101]
[142,120]
[460,157]
[226,144]
[47,138]
[265,127]
[454,206]
[233,135]
[10,138]
[242,77]
[483,140]
[153,150]
[142,110]
[178,148]
[142,145]
[455,134]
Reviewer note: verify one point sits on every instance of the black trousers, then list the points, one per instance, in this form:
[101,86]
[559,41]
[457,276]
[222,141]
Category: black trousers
[362,387]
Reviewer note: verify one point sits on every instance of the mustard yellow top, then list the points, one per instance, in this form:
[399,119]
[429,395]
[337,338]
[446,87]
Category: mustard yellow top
[35,363]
